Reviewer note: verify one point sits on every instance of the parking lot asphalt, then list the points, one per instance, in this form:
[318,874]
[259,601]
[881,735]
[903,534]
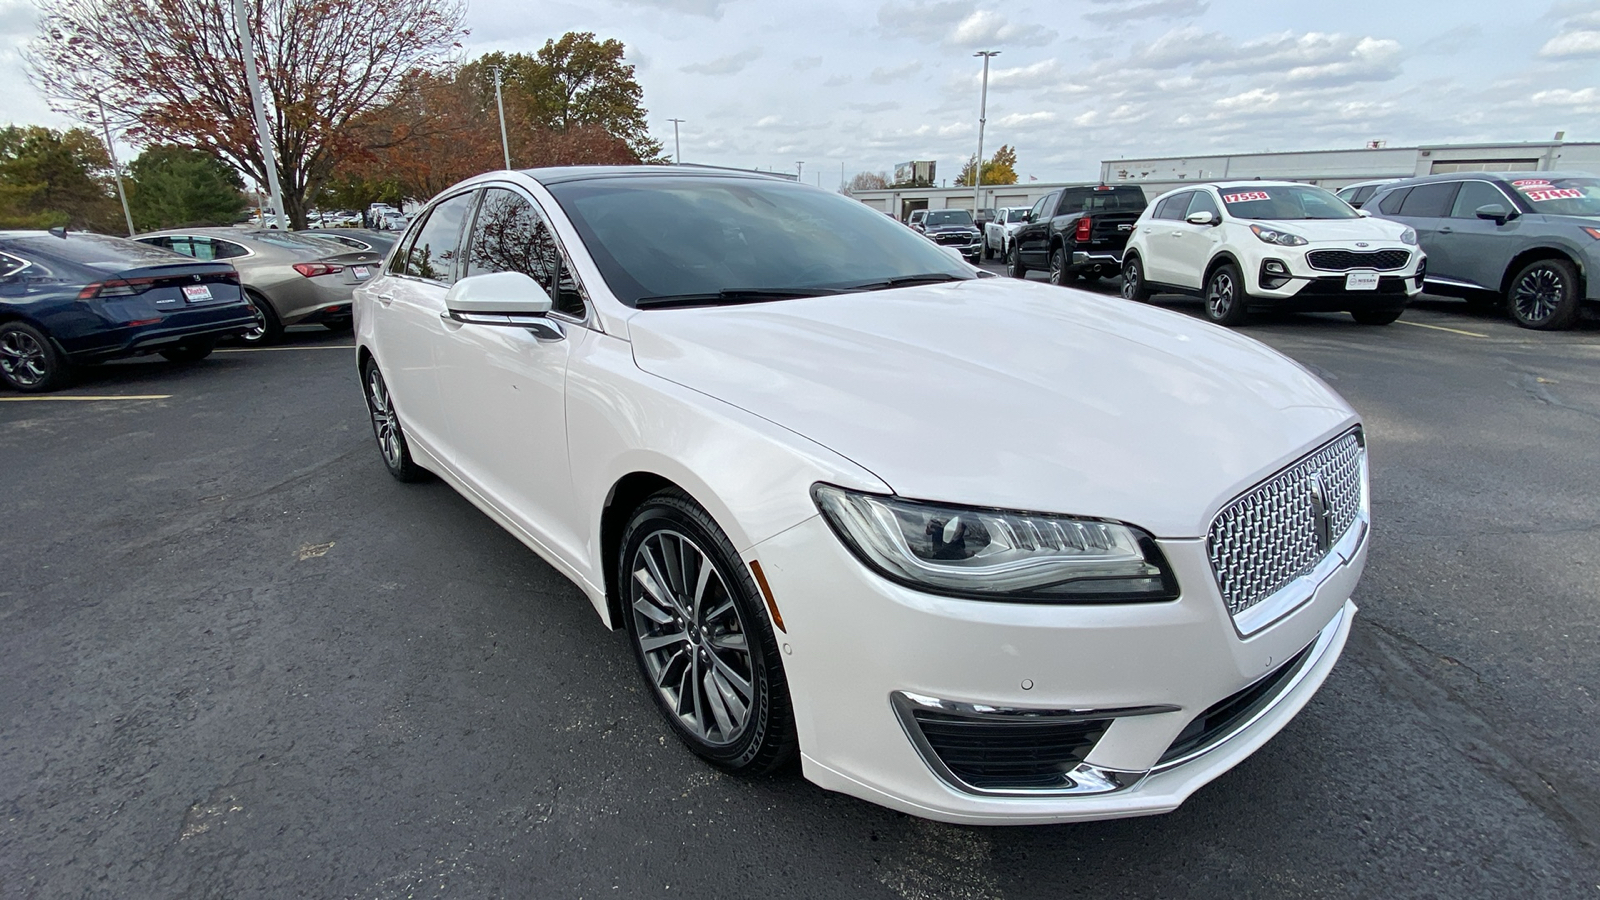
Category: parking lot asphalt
[237,659]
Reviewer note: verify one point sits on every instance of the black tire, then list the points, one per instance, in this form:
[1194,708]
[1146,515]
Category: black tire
[1014,265]
[670,524]
[1133,286]
[988,251]
[386,427]
[1226,302]
[1376,316]
[268,328]
[190,351]
[1544,295]
[30,361]
[1060,274]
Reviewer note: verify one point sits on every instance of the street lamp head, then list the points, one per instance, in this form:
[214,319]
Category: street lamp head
[987,53]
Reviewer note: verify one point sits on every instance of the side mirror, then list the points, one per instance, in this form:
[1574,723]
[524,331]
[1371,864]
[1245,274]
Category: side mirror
[1364,213]
[1494,211]
[1203,217]
[501,298]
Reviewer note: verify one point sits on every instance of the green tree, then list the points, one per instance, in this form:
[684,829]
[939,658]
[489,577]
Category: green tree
[569,84]
[1001,168]
[50,178]
[172,186]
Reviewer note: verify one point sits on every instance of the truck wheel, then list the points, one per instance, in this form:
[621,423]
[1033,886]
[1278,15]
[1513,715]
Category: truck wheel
[1060,275]
[1014,265]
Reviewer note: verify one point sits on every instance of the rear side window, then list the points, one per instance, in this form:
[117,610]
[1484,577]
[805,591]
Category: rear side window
[1430,201]
[1103,198]
[1363,195]
[1390,206]
[433,255]
[510,235]
[10,265]
[1173,207]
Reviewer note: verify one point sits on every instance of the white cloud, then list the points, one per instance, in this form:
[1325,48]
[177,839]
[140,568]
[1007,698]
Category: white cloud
[1583,100]
[1044,73]
[1572,43]
[807,63]
[921,19]
[711,9]
[987,28]
[724,65]
[882,75]
[1152,9]
[1024,121]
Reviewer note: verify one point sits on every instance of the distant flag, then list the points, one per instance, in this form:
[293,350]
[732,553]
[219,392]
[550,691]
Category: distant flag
[1031,178]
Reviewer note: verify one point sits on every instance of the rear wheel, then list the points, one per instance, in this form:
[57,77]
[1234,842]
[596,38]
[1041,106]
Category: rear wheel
[702,638]
[29,362]
[189,351]
[1133,286]
[1059,273]
[267,328]
[1226,302]
[1014,265]
[1544,295]
[386,426]
[1376,316]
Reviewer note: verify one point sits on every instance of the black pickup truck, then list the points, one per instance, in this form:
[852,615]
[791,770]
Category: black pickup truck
[1077,231]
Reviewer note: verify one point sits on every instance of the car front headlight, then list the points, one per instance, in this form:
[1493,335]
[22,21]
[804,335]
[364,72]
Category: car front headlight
[1281,238]
[1409,236]
[992,554]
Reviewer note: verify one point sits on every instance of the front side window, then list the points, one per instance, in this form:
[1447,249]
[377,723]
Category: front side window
[432,256]
[1037,212]
[707,239]
[1017,215]
[509,235]
[1284,202]
[1202,202]
[1475,194]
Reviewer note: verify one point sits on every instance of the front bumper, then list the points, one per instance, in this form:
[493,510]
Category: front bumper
[857,645]
[1283,275]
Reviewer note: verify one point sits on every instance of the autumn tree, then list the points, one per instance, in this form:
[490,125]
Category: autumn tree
[50,178]
[171,186]
[1001,168]
[867,181]
[173,72]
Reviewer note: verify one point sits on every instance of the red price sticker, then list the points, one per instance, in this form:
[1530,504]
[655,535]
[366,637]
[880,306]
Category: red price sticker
[1556,194]
[1246,197]
[1530,182]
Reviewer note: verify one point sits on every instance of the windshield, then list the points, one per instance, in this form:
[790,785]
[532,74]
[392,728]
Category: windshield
[1557,196]
[949,217]
[1020,214]
[1279,201]
[665,236]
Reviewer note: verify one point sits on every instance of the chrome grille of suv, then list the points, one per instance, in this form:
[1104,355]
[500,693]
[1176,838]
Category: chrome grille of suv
[1344,260]
[1272,534]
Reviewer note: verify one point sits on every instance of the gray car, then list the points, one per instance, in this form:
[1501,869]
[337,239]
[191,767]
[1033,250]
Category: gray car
[1528,240]
[289,278]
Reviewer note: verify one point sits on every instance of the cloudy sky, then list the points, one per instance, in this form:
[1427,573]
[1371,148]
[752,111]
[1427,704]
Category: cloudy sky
[868,84]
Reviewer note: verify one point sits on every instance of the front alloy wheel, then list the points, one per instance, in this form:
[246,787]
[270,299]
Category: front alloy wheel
[1544,295]
[386,426]
[702,638]
[1225,297]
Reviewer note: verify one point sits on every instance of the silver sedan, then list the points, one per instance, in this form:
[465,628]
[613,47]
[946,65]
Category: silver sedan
[289,278]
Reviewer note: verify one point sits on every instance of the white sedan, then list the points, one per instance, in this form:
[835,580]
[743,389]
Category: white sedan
[976,549]
[1251,244]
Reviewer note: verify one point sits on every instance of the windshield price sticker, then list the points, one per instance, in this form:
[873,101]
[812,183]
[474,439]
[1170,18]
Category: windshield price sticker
[1531,182]
[1554,194]
[1246,197]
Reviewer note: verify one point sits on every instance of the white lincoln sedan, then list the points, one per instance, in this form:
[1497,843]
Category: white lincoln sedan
[976,549]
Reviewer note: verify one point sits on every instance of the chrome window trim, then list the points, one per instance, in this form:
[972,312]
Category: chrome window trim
[26,264]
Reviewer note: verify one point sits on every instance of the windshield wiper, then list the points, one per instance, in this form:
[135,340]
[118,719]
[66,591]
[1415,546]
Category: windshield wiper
[906,281]
[730,295]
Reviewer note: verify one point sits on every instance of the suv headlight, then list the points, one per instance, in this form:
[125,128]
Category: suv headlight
[1281,238]
[1409,236]
[992,554]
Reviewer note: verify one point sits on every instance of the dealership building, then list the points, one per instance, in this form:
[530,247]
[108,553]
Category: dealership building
[1332,169]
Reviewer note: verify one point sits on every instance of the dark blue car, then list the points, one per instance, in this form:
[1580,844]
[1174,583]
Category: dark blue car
[70,299]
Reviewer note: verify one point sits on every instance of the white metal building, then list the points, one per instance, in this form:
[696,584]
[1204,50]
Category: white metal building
[1331,169]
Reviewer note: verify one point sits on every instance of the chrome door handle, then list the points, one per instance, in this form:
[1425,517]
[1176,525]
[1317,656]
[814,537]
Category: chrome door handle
[385,299]
[1447,230]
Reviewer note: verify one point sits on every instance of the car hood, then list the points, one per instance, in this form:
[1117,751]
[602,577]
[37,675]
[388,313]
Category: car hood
[995,392]
[1314,230]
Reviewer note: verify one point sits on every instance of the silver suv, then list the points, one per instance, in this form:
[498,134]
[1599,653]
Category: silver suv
[1528,240]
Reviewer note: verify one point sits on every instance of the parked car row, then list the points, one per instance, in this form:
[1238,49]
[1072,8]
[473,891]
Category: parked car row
[69,299]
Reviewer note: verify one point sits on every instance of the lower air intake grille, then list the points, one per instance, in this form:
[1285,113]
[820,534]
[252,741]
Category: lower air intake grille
[1222,719]
[1010,753]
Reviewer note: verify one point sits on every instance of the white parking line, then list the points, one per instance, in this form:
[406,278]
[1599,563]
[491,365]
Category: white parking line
[267,349]
[1441,328]
[96,399]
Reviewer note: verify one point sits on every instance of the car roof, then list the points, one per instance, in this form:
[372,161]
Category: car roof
[562,174]
[1498,176]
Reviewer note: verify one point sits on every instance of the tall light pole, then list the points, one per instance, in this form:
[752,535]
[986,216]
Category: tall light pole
[983,117]
[505,145]
[798,168]
[263,134]
[116,168]
[677,148]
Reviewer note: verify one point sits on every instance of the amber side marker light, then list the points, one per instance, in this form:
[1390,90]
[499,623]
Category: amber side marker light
[766,592]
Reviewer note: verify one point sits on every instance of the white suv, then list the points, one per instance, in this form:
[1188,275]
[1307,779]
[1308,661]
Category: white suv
[1268,243]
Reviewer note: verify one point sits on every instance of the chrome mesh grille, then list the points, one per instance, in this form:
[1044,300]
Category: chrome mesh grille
[1270,535]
